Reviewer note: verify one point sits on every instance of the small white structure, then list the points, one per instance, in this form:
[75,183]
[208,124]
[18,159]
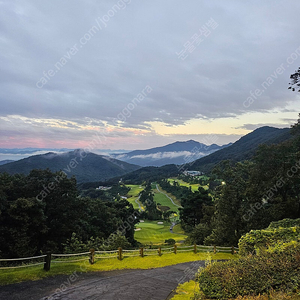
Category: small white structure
[103,188]
[160,223]
[193,173]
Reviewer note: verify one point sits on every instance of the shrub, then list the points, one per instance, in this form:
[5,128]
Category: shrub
[257,239]
[252,275]
[170,242]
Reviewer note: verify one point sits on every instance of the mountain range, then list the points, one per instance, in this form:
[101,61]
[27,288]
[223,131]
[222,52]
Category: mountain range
[243,149]
[176,153]
[84,166]
[90,167]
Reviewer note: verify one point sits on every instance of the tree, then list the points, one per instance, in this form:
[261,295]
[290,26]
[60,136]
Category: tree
[22,226]
[295,81]
[191,212]
[198,235]
[42,211]
[229,201]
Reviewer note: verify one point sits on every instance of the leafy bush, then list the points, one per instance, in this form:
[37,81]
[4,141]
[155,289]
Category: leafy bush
[257,239]
[114,241]
[170,242]
[252,275]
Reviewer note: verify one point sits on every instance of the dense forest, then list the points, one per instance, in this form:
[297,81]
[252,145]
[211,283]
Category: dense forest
[42,210]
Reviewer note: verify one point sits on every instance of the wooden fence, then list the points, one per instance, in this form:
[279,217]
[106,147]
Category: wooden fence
[93,255]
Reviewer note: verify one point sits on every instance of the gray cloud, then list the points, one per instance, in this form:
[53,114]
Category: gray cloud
[137,47]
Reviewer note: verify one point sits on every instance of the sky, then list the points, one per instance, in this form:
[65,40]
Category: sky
[134,74]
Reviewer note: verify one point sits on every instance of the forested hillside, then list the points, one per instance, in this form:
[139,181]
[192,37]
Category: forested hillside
[85,166]
[243,149]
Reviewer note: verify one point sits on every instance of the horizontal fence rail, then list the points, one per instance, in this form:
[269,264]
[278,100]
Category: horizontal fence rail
[12,260]
[93,255]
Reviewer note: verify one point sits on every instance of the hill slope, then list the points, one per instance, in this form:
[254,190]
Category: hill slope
[244,148]
[176,153]
[85,167]
[3,162]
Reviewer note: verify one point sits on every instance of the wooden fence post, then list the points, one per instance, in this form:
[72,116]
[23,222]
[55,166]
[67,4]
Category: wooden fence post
[120,253]
[175,249]
[215,249]
[232,250]
[47,261]
[159,251]
[142,252]
[92,256]
[195,248]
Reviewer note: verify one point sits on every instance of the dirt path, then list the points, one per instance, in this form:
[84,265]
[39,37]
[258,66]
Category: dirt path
[153,284]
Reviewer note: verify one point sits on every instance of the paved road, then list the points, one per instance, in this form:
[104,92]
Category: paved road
[154,284]
[138,203]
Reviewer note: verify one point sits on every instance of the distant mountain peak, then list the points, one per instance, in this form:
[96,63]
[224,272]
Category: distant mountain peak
[178,153]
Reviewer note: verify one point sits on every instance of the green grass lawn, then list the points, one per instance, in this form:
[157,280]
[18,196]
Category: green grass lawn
[147,262]
[134,193]
[151,232]
[163,200]
[183,183]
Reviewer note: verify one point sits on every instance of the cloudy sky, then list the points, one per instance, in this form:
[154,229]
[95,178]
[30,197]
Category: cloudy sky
[132,74]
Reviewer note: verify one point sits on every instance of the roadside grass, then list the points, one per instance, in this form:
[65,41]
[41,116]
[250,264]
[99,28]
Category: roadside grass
[186,290]
[151,232]
[147,262]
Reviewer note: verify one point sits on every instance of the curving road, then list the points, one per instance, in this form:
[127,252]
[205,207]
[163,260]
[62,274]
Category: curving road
[138,203]
[153,284]
[167,196]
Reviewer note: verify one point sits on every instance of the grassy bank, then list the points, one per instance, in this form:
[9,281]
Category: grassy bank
[147,262]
